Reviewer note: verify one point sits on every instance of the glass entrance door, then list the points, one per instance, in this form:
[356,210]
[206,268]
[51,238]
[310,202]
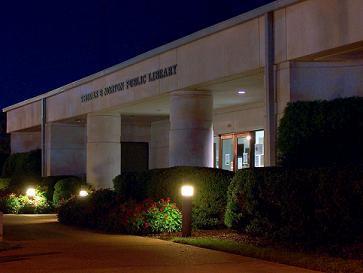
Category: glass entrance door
[227,154]
[239,151]
[243,151]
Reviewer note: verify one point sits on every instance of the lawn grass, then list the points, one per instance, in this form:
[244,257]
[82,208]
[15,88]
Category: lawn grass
[300,259]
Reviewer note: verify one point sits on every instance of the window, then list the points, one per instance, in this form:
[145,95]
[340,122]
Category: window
[259,149]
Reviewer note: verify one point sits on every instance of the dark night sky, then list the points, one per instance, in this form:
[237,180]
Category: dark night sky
[46,44]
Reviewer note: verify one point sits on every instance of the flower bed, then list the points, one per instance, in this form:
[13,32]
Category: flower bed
[107,211]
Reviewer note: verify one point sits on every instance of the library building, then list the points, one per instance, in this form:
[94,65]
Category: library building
[213,98]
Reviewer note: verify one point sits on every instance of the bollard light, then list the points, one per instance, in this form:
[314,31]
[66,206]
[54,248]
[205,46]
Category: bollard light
[30,192]
[187,192]
[83,193]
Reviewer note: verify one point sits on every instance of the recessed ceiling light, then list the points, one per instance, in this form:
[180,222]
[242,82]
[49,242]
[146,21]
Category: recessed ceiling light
[241,91]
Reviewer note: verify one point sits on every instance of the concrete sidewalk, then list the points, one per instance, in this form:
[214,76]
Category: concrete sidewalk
[48,247]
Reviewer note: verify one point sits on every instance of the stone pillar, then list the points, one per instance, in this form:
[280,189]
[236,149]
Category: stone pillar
[65,149]
[22,142]
[191,129]
[103,149]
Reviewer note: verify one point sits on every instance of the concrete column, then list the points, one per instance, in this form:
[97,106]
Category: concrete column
[103,149]
[270,93]
[65,149]
[191,129]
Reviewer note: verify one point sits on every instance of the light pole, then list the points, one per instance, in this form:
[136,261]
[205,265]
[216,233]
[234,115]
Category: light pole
[187,192]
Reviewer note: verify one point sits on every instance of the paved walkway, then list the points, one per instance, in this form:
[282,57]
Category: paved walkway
[48,247]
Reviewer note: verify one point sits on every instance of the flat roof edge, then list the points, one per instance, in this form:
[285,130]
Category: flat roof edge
[244,17]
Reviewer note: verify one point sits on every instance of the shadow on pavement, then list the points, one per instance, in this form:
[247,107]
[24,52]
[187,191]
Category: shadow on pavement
[16,258]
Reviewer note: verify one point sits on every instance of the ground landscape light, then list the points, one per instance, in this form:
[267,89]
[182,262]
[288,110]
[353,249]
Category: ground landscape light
[187,191]
[30,192]
[83,193]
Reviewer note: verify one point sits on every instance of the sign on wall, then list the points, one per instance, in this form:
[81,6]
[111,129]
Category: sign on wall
[130,83]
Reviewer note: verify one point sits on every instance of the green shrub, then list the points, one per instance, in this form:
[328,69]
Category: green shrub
[9,203]
[321,133]
[107,211]
[309,205]
[3,158]
[4,183]
[210,186]
[12,203]
[23,164]
[48,183]
[65,188]
[162,216]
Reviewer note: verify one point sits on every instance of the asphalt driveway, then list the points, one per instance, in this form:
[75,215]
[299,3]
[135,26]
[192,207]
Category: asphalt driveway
[46,246]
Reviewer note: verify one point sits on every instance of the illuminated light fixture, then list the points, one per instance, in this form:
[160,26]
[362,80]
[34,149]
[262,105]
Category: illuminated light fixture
[30,192]
[83,193]
[248,137]
[187,191]
[240,92]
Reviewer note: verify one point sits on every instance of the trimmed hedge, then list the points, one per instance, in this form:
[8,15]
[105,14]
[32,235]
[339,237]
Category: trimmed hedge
[321,133]
[23,164]
[307,205]
[3,158]
[4,183]
[210,189]
[65,188]
[48,183]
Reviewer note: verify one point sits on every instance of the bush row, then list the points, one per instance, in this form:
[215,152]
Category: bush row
[23,164]
[310,205]
[321,133]
[106,210]
[50,193]
[210,189]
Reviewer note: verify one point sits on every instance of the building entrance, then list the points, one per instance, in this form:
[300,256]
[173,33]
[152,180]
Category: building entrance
[134,156]
[237,151]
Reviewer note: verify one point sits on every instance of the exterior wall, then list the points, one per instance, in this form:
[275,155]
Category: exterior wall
[159,144]
[25,117]
[326,80]
[65,149]
[22,142]
[135,130]
[283,87]
[239,119]
[314,26]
